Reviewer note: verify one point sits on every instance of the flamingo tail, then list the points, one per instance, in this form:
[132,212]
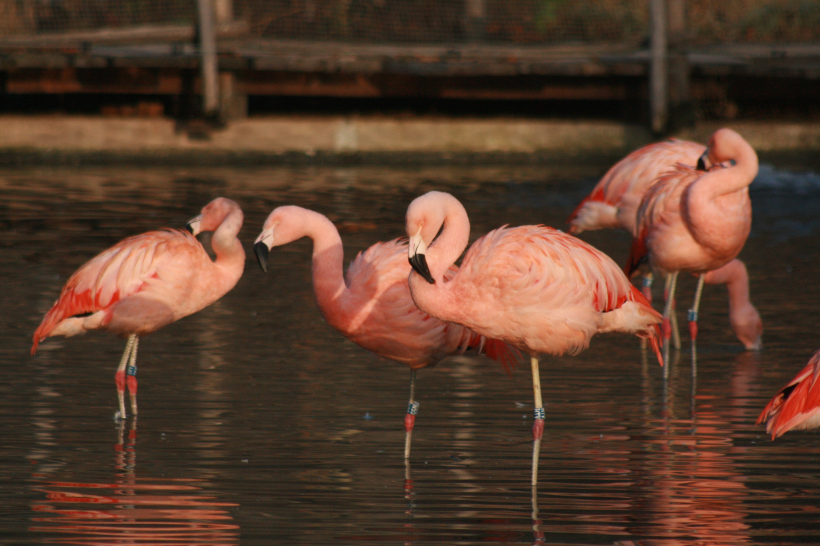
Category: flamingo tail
[69,305]
[653,332]
[499,351]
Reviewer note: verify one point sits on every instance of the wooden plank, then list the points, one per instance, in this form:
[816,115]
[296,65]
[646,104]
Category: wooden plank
[207,44]
[71,80]
[658,101]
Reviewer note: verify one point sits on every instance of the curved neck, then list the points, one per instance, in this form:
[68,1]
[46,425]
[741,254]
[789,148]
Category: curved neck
[736,279]
[226,245]
[451,242]
[328,261]
[435,299]
[726,180]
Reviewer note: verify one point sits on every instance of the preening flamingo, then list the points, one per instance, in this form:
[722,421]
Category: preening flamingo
[696,220]
[613,202]
[536,288]
[371,305]
[797,405]
[146,282]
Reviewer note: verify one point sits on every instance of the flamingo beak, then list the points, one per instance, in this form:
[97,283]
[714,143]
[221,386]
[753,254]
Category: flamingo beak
[262,248]
[417,258]
[703,161]
[194,225]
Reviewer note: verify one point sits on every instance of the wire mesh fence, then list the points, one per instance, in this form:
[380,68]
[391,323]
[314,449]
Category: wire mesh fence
[21,17]
[436,21]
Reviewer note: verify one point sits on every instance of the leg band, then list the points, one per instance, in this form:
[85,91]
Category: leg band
[413,408]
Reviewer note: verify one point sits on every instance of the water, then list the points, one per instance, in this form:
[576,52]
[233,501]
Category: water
[260,425]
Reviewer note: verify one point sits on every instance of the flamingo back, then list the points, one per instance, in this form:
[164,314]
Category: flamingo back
[547,290]
[797,405]
[112,276]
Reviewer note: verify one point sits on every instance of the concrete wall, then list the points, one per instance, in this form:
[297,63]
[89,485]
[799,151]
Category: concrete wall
[273,137]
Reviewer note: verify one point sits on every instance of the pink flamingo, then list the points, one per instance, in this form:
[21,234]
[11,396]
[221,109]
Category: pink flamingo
[797,405]
[696,221]
[536,288]
[146,282]
[614,202]
[371,305]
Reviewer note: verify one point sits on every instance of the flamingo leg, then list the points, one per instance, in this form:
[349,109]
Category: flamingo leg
[646,286]
[131,376]
[669,308]
[410,418]
[673,320]
[693,312]
[119,377]
[538,425]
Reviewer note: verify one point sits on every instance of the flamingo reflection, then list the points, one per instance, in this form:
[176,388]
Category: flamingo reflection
[132,510]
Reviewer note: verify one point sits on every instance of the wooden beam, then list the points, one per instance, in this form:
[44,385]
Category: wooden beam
[658,89]
[207,45]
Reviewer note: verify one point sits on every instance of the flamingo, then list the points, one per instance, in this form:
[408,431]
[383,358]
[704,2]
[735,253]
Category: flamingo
[371,305]
[696,221]
[797,405]
[613,202]
[533,287]
[146,282]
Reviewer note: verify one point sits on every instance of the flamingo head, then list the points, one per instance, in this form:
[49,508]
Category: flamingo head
[283,225]
[724,146]
[212,215]
[425,217]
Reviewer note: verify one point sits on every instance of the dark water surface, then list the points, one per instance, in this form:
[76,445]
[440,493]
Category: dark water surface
[260,425]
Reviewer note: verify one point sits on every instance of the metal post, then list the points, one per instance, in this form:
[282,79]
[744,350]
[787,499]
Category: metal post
[658,91]
[207,46]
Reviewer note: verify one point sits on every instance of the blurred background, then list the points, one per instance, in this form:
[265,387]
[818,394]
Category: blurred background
[663,65]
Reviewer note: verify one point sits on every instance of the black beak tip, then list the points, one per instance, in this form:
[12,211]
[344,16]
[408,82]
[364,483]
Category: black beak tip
[189,228]
[261,251]
[701,166]
[419,265]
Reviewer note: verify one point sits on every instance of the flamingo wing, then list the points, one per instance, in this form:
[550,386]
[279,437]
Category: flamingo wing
[797,404]
[113,275]
[545,289]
